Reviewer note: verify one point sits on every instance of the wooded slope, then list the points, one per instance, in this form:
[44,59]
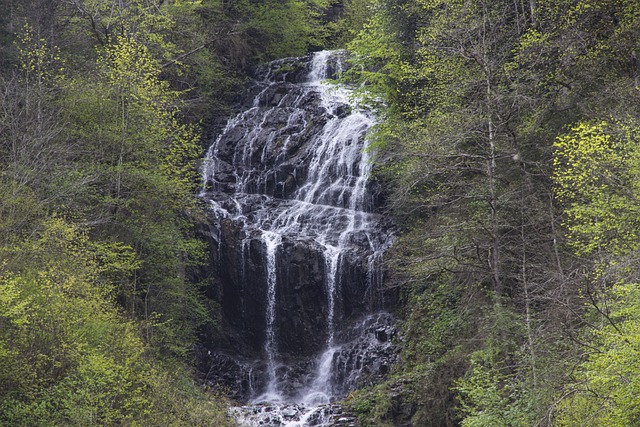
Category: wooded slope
[105,105]
[510,153]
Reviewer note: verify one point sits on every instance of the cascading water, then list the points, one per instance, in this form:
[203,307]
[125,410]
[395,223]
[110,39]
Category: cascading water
[298,243]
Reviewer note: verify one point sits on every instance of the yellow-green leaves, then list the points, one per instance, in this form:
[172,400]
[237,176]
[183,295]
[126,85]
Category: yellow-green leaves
[148,107]
[141,157]
[129,67]
[40,64]
[597,176]
[127,120]
[147,20]
[608,386]
[13,306]
[55,319]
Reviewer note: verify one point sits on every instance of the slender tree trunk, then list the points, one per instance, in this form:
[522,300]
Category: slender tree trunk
[494,256]
[556,250]
[493,204]
[123,137]
[527,189]
[133,295]
[532,9]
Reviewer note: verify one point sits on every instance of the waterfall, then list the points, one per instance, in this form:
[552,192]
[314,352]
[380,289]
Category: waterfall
[298,242]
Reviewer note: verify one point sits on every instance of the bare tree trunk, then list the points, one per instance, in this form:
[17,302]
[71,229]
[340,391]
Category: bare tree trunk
[526,189]
[532,9]
[494,256]
[493,205]
[556,250]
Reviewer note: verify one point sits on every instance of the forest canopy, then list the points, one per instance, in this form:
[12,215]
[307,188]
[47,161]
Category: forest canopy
[509,152]
[105,109]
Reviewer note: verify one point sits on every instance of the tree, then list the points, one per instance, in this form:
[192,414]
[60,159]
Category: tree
[597,168]
[67,354]
[141,159]
[606,386]
[596,177]
[31,146]
[57,323]
[466,151]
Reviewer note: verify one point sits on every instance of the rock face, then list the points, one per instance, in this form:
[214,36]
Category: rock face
[296,245]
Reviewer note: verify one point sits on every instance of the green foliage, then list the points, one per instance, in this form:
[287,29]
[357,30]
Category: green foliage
[494,390]
[19,207]
[94,128]
[381,64]
[491,399]
[146,114]
[606,387]
[285,28]
[65,344]
[30,146]
[597,174]
[477,92]
[93,316]
[108,20]
[40,65]
[248,32]
[356,14]
[433,321]
[435,327]
[372,407]
[466,149]
[596,168]
[140,160]
[67,355]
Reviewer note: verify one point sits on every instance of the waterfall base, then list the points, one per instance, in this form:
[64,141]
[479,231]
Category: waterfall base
[290,415]
[362,356]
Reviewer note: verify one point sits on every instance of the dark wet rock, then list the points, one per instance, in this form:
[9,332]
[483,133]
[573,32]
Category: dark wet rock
[258,174]
[365,359]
